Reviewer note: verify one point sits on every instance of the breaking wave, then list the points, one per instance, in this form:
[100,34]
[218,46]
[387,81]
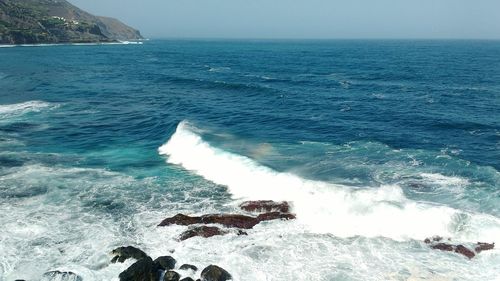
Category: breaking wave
[324,207]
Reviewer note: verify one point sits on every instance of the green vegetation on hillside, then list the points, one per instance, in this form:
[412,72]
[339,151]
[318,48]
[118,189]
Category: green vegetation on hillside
[55,21]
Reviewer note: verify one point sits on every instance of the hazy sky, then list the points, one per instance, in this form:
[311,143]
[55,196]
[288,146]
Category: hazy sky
[305,18]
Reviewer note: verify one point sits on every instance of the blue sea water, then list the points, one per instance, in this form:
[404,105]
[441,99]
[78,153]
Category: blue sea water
[376,144]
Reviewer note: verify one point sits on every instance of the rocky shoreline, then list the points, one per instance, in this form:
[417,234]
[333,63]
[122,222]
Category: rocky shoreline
[57,21]
[164,268]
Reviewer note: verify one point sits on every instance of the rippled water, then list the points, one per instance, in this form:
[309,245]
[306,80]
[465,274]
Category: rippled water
[377,145]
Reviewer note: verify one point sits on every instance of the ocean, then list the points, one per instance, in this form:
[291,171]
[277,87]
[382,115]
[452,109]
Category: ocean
[376,144]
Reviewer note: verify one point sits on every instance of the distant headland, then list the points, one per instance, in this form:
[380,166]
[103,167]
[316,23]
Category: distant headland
[57,21]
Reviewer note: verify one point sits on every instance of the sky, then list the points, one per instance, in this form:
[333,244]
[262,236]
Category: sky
[301,19]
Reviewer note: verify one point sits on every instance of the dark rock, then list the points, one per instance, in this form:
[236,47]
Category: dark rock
[275,216]
[180,219]
[433,239]
[61,276]
[227,220]
[164,263]
[123,253]
[461,249]
[141,270]
[484,247]
[215,273]
[230,220]
[265,206]
[187,279]
[188,267]
[171,276]
[443,247]
[203,231]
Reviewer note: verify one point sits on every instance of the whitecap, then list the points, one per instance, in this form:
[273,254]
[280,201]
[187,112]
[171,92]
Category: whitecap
[17,109]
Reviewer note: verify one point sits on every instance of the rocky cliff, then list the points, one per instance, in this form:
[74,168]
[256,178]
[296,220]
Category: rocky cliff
[57,21]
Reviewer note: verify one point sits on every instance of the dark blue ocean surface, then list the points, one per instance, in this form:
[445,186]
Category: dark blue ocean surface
[417,123]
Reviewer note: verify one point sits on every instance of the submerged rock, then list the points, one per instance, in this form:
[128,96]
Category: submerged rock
[188,267]
[57,275]
[171,276]
[123,253]
[265,206]
[202,231]
[187,279]
[215,273]
[484,247]
[141,270]
[164,263]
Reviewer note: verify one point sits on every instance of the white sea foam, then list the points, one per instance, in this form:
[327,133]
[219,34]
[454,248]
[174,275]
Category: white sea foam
[17,109]
[324,207]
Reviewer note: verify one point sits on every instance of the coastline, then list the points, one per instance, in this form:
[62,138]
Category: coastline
[133,42]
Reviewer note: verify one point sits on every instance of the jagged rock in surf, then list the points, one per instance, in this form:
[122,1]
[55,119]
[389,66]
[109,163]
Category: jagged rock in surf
[188,267]
[227,220]
[123,253]
[215,273]
[180,219]
[171,276]
[61,276]
[165,263]
[481,246]
[275,216]
[206,232]
[265,206]
[202,231]
[433,239]
[460,249]
[187,279]
[142,270]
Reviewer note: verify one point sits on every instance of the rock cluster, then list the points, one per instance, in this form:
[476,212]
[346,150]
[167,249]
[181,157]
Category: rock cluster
[436,243]
[272,211]
[162,268]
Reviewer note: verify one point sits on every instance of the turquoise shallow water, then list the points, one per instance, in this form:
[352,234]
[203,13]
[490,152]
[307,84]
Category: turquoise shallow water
[377,145]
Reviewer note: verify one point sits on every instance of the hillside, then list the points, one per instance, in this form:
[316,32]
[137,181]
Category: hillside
[57,21]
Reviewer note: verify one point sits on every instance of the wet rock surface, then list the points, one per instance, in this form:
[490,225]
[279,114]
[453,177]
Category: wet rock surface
[171,276]
[265,206]
[121,254]
[145,269]
[202,231]
[188,267]
[164,263]
[215,273]
[281,211]
[480,246]
[435,243]
[140,270]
